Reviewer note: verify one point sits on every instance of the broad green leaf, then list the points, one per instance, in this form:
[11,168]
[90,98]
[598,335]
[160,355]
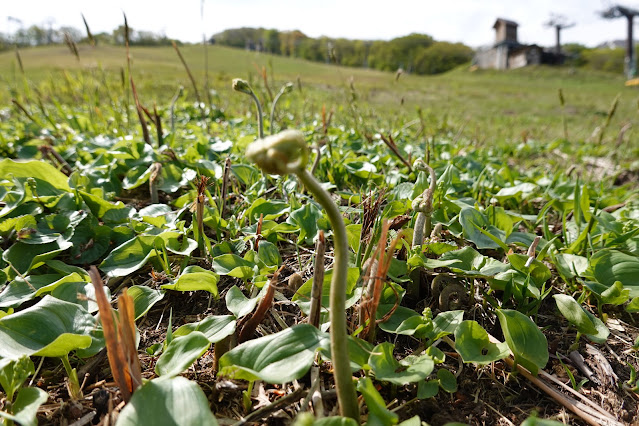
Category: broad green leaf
[570,265]
[409,370]
[358,352]
[233,265]
[427,389]
[13,373]
[269,254]
[522,190]
[175,401]
[181,353]
[303,295]
[18,291]
[80,293]
[609,266]
[353,233]
[473,344]
[378,414]
[575,314]
[306,217]
[633,306]
[527,343]
[613,295]
[270,209]
[25,257]
[537,270]
[143,299]
[129,256]
[50,328]
[472,221]
[215,328]
[100,207]
[447,380]
[25,407]
[238,304]
[195,278]
[276,358]
[40,170]
[534,421]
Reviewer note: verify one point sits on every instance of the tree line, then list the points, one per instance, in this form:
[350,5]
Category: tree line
[36,35]
[415,53]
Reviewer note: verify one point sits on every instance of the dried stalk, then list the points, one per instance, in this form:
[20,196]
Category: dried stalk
[318,281]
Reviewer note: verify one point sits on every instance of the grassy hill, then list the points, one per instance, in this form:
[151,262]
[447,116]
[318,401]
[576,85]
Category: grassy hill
[517,104]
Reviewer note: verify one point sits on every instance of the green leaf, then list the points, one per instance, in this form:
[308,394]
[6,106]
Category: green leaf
[534,421]
[271,209]
[100,207]
[195,278]
[276,358]
[181,353]
[25,257]
[633,306]
[427,389]
[447,380]
[306,217]
[613,295]
[570,265]
[238,304]
[353,233]
[175,401]
[303,295]
[268,254]
[609,266]
[50,328]
[129,256]
[575,314]
[387,368]
[473,344]
[537,270]
[527,343]
[473,222]
[233,265]
[143,299]
[215,328]
[40,170]
[378,414]
[13,373]
[25,408]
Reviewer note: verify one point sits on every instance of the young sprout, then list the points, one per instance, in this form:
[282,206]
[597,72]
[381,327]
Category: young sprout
[242,86]
[423,205]
[288,87]
[284,153]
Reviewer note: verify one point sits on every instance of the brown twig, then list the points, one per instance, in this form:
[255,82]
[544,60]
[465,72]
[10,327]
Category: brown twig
[393,147]
[248,330]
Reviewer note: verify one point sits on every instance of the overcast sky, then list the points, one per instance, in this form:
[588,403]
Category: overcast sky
[467,21]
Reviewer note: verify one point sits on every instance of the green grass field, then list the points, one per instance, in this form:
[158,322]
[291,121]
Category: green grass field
[483,105]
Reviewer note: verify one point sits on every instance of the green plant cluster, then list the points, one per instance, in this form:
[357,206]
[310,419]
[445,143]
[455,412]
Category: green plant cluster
[514,241]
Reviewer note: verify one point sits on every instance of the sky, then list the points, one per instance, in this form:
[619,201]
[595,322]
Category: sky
[466,21]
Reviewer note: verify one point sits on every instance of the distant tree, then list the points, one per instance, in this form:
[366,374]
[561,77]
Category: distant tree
[312,49]
[272,41]
[574,54]
[440,57]
[290,41]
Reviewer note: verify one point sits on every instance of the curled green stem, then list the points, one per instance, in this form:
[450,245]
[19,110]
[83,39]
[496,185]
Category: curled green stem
[285,89]
[240,85]
[285,153]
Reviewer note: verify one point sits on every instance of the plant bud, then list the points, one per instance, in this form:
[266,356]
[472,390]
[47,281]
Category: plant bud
[282,153]
[240,85]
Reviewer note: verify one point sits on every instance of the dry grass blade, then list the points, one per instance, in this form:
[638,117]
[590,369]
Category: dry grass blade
[393,147]
[71,45]
[117,338]
[379,267]
[89,35]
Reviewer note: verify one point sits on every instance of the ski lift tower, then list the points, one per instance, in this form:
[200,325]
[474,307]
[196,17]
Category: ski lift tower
[558,22]
[628,13]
